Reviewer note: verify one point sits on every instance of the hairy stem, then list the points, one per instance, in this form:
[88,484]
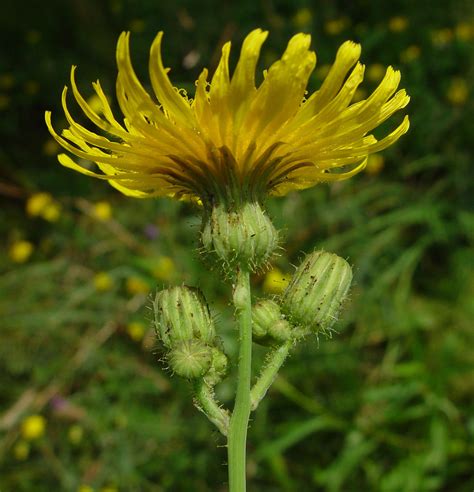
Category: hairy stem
[272,365]
[237,436]
[206,403]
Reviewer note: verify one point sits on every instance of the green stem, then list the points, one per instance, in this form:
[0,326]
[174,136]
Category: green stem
[206,403]
[237,436]
[269,371]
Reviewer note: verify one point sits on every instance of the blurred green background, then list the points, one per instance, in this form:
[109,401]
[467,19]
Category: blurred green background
[386,405]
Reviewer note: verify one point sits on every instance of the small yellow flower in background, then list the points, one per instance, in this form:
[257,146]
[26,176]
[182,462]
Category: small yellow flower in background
[109,488]
[20,251]
[336,26]
[275,281]
[412,53]
[75,434]
[33,427]
[458,91]
[4,102]
[50,147]
[398,23]
[231,131]
[164,268]
[136,285]
[33,36]
[43,205]
[37,202]
[137,25]
[31,87]
[136,330]
[442,37]
[102,211]
[85,488]
[7,81]
[375,72]
[103,282]
[375,164]
[464,31]
[302,18]
[21,450]
[95,104]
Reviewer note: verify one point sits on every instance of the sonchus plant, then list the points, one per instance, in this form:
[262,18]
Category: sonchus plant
[228,149]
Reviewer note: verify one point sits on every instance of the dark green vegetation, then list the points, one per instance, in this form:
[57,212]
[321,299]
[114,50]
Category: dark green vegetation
[386,405]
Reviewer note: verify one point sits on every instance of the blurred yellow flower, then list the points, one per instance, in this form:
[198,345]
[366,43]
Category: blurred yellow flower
[50,147]
[43,205]
[20,251]
[441,37]
[375,72]
[464,31]
[231,136]
[109,488]
[103,281]
[136,330]
[95,104]
[31,87]
[4,101]
[85,488]
[33,427]
[302,18]
[164,269]
[37,202]
[102,210]
[75,434]
[275,281]
[7,81]
[136,285]
[21,450]
[458,91]
[137,25]
[375,164]
[336,26]
[398,23]
[412,53]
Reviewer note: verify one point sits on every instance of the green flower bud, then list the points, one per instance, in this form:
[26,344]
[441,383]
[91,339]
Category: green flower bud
[190,359]
[244,236]
[316,292]
[268,325]
[218,368]
[181,314]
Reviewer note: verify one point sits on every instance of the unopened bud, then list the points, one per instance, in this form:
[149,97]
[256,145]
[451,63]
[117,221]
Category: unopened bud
[244,236]
[268,325]
[181,314]
[317,290]
[190,359]
[218,368]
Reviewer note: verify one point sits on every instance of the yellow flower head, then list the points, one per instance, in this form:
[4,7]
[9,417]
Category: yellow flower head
[20,251]
[233,135]
[275,281]
[33,427]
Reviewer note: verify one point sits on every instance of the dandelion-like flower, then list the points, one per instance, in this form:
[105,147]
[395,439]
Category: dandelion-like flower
[234,136]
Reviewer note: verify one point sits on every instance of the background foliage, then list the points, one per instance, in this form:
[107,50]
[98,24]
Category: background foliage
[386,405]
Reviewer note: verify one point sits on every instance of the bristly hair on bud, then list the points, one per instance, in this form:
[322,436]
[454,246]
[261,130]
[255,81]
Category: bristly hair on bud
[268,324]
[239,235]
[184,325]
[317,291]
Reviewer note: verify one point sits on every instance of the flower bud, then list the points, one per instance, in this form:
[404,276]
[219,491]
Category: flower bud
[181,314]
[268,325]
[218,368]
[190,359]
[316,292]
[244,236]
